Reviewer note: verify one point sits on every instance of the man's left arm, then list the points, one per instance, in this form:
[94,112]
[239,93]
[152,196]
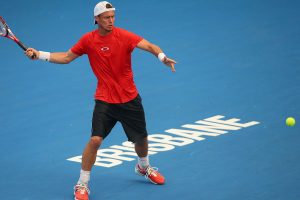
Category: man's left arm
[156,50]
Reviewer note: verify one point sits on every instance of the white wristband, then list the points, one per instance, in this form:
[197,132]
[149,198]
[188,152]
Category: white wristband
[44,55]
[161,57]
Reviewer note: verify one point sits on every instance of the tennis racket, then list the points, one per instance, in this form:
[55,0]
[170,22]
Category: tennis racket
[5,31]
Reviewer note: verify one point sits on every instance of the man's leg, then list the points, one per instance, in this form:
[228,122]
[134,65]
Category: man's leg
[141,147]
[88,159]
[132,118]
[90,153]
[81,190]
[143,167]
[104,119]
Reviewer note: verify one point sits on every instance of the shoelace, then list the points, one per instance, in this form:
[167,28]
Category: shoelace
[82,187]
[149,171]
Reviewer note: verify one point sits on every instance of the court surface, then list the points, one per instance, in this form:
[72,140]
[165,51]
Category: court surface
[237,59]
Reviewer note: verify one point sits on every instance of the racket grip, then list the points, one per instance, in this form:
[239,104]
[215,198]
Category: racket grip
[24,47]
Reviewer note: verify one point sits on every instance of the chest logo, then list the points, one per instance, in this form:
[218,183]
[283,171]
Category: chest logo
[104,48]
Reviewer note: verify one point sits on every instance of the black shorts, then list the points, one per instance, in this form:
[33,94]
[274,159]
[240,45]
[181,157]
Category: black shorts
[131,115]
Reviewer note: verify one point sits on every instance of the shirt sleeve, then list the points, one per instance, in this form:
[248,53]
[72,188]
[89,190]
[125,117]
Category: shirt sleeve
[80,47]
[132,39]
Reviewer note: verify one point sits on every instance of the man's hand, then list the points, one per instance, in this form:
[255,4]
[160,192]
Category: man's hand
[170,63]
[32,54]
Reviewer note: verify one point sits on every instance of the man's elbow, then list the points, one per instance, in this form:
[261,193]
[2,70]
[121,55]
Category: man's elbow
[68,59]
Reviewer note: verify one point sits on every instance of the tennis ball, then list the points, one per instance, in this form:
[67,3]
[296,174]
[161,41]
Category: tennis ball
[290,121]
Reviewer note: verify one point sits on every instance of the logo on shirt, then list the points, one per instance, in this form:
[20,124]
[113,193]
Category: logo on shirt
[104,48]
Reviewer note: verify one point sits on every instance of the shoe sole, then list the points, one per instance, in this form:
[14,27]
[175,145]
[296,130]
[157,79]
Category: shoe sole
[78,199]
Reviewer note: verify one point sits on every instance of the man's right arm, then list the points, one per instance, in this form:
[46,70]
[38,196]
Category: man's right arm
[57,57]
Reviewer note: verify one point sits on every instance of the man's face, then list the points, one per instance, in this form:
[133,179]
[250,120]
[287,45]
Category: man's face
[106,20]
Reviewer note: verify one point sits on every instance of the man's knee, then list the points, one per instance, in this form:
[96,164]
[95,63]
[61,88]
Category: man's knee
[96,141]
[141,141]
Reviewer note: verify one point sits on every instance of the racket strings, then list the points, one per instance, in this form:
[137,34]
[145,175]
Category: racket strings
[3,31]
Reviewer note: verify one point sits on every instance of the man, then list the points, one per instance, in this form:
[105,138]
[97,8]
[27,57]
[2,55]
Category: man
[109,51]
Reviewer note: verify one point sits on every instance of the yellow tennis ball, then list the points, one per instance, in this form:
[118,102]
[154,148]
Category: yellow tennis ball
[290,121]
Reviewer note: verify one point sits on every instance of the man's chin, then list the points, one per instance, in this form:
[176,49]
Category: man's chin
[110,28]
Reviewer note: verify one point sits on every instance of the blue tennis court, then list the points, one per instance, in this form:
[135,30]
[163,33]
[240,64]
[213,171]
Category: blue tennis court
[216,126]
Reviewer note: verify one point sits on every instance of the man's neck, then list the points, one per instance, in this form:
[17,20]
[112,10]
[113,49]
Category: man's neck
[103,32]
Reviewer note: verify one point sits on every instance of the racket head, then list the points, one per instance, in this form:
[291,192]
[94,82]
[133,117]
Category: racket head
[3,28]
[6,32]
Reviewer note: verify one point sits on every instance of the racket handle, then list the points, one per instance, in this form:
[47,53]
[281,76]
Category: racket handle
[24,47]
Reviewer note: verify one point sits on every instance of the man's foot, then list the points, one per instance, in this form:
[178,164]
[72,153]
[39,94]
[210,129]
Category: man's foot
[151,174]
[81,192]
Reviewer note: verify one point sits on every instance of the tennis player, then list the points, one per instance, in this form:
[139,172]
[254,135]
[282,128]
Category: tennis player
[109,51]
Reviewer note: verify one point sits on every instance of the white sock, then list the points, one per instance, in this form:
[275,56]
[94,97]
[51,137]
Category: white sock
[143,162]
[84,177]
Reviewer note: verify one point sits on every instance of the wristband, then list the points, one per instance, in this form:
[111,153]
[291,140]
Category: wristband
[161,57]
[44,55]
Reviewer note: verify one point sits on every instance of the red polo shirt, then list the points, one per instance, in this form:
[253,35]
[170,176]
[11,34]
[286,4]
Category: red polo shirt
[110,59]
